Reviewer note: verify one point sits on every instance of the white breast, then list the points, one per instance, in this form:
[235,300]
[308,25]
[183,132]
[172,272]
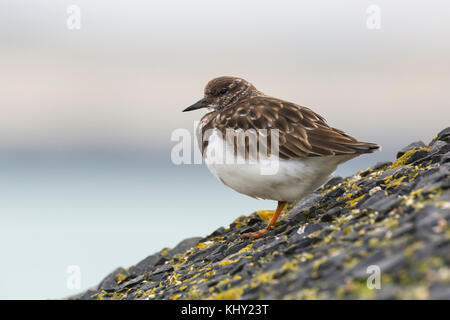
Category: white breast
[271,178]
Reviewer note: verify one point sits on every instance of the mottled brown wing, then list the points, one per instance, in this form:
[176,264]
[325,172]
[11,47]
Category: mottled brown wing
[302,132]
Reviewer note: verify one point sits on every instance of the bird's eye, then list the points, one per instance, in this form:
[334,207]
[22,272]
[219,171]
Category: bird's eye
[223,91]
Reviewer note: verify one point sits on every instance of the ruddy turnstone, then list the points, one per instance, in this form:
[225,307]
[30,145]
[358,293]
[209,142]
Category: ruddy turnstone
[305,148]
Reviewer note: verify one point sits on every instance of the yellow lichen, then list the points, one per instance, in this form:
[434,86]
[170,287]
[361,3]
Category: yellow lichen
[306,256]
[222,282]
[227,262]
[308,294]
[373,242]
[203,245]
[348,230]
[194,294]
[264,277]
[351,263]
[118,296]
[442,204]
[393,183]
[210,273]
[237,277]
[346,196]
[265,215]
[316,264]
[173,279]
[230,294]
[121,277]
[247,248]
[409,252]
[354,202]
[290,265]
[405,157]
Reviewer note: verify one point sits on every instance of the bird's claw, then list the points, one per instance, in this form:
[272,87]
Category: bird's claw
[255,235]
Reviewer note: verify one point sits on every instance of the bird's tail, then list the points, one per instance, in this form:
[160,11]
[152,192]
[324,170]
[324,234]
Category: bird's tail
[365,147]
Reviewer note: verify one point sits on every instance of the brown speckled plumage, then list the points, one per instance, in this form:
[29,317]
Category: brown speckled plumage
[302,132]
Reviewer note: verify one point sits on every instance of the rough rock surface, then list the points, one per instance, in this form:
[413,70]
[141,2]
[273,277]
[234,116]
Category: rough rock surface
[394,216]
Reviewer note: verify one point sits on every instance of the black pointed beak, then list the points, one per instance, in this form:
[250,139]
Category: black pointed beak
[198,105]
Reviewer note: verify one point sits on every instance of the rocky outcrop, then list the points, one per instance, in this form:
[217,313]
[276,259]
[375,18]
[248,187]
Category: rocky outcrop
[390,220]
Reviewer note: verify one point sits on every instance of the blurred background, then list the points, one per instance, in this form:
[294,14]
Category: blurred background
[86,115]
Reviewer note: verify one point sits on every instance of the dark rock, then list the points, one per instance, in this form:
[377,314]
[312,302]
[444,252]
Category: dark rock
[272,245]
[333,181]
[218,253]
[218,232]
[86,295]
[276,263]
[387,292]
[216,279]
[444,136]
[336,192]
[277,231]
[301,245]
[306,203]
[443,150]
[367,185]
[251,293]
[148,286]
[131,283]
[430,176]
[298,218]
[163,269]
[238,246]
[404,190]
[445,158]
[331,266]
[436,153]
[110,283]
[185,245]
[385,204]
[440,291]
[146,265]
[304,231]
[437,146]
[202,254]
[331,214]
[382,164]
[426,219]
[394,218]
[248,229]
[158,277]
[417,157]
[403,230]
[232,268]
[396,172]
[254,220]
[259,243]
[411,146]
[445,184]
[369,201]
[360,270]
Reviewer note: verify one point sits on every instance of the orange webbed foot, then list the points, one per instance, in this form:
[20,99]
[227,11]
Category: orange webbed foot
[260,233]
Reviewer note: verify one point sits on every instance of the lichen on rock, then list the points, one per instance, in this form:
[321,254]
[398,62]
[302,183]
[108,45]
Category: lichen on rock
[394,216]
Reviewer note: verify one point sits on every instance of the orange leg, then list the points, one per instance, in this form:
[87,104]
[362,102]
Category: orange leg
[260,233]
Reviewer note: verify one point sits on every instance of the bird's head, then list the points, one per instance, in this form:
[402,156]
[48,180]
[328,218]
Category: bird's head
[222,92]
